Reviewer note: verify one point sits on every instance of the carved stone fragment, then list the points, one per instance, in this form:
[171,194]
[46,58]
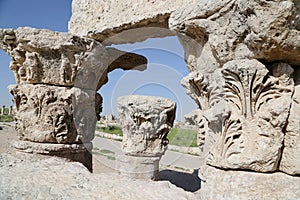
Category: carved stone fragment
[47,57]
[10,110]
[54,114]
[145,122]
[63,59]
[290,162]
[257,106]
[247,115]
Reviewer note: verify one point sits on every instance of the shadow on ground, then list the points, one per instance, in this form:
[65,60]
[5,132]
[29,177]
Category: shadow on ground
[188,182]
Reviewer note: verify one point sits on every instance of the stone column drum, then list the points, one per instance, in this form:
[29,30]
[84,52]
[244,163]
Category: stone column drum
[145,122]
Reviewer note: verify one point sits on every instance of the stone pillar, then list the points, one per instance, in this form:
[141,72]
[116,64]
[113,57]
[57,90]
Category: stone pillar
[145,122]
[10,110]
[57,77]
[239,104]
[3,110]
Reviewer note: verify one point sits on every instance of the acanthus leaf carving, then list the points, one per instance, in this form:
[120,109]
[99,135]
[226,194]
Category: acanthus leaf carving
[246,124]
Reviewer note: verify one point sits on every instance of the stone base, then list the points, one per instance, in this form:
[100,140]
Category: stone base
[146,168]
[75,152]
[221,184]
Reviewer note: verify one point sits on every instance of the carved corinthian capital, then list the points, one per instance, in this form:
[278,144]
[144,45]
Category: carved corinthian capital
[247,120]
[145,122]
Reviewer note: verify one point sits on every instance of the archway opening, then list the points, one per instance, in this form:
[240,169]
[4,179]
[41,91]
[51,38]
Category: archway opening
[165,69]
[7,78]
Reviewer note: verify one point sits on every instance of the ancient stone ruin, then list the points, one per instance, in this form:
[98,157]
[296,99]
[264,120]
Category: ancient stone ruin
[145,122]
[243,57]
[2,110]
[57,77]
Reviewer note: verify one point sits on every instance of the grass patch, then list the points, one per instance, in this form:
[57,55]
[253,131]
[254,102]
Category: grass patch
[177,136]
[6,118]
[183,137]
[104,152]
[115,130]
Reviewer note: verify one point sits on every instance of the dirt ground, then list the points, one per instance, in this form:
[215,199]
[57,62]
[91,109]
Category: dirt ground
[7,134]
[186,181]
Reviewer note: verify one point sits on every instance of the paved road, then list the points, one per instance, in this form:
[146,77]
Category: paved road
[171,159]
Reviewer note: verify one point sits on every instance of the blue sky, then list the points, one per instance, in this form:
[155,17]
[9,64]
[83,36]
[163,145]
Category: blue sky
[165,56]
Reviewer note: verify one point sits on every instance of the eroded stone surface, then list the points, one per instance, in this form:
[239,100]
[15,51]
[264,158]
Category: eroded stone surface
[57,76]
[290,162]
[56,178]
[102,19]
[145,122]
[244,110]
[54,114]
[62,59]
[47,57]
[228,30]
[220,184]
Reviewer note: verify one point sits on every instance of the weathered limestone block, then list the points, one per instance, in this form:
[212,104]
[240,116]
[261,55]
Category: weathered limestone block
[228,30]
[220,184]
[245,108]
[290,162]
[145,122]
[47,57]
[54,114]
[102,19]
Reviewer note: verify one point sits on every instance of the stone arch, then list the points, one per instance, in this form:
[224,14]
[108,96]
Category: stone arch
[159,72]
[233,40]
[235,44]
[57,76]
[7,79]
